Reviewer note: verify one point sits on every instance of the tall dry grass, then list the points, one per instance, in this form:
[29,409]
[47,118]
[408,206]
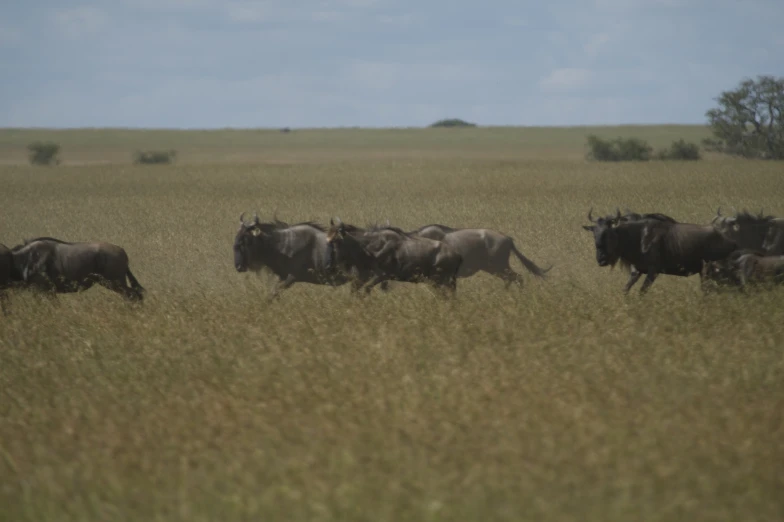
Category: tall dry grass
[563,401]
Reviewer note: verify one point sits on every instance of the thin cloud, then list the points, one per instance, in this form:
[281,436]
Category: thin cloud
[566,80]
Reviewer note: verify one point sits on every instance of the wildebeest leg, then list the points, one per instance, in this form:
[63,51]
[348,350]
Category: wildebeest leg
[509,276]
[634,276]
[376,280]
[281,285]
[131,294]
[384,286]
[356,286]
[649,279]
[4,302]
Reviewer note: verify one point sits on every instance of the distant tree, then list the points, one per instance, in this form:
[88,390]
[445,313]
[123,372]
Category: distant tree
[153,157]
[619,149]
[749,121]
[44,152]
[681,150]
[453,122]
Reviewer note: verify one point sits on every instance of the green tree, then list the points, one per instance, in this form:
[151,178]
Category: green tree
[749,120]
[44,153]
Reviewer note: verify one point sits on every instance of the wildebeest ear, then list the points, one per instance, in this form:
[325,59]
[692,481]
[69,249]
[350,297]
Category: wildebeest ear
[589,228]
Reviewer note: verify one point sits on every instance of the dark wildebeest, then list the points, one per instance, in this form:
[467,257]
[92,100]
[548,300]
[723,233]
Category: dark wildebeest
[59,267]
[9,276]
[482,249]
[389,254]
[656,246]
[760,232]
[295,253]
[614,244]
[634,216]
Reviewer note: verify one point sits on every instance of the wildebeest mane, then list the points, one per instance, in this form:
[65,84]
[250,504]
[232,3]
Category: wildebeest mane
[282,225]
[658,216]
[26,242]
[380,228]
[442,227]
[314,224]
[745,217]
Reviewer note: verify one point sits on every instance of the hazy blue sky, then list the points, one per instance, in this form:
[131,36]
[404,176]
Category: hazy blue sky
[323,63]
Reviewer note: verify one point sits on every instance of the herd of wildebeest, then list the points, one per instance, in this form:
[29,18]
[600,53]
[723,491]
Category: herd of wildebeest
[730,251]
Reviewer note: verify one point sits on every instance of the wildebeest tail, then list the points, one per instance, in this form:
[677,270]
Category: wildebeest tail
[530,265]
[134,283]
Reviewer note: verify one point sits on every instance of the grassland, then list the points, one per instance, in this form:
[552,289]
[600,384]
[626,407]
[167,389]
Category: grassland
[563,401]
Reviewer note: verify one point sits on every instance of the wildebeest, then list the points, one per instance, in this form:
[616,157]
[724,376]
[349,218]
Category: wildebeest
[295,253]
[482,249]
[723,273]
[388,253]
[757,268]
[9,275]
[760,232]
[656,246]
[634,216]
[60,267]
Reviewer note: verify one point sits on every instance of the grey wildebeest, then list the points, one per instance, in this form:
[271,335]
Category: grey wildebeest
[294,253]
[760,232]
[723,273]
[482,249]
[380,254]
[60,267]
[756,268]
[656,246]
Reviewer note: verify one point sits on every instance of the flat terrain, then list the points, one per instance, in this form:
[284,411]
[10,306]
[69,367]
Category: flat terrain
[563,401]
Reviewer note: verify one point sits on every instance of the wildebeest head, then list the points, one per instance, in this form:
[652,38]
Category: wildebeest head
[336,232]
[745,229]
[336,235]
[247,236]
[605,238]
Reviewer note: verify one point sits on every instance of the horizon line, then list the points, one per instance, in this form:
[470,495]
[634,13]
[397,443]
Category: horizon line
[347,127]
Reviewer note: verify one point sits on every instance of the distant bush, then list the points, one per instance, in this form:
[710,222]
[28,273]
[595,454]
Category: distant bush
[44,153]
[453,122]
[154,157]
[619,149]
[680,150]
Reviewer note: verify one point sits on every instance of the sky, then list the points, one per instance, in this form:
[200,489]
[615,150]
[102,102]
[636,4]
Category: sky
[377,63]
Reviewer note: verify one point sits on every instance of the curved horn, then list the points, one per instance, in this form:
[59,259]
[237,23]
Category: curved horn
[242,218]
[340,221]
[331,222]
[388,222]
[255,218]
[617,213]
[589,216]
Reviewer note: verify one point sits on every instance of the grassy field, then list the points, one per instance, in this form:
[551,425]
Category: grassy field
[87,146]
[563,401]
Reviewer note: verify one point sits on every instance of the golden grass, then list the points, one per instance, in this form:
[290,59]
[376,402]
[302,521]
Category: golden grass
[564,401]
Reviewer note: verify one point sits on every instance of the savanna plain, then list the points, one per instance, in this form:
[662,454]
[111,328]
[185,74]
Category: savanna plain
[563,400]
